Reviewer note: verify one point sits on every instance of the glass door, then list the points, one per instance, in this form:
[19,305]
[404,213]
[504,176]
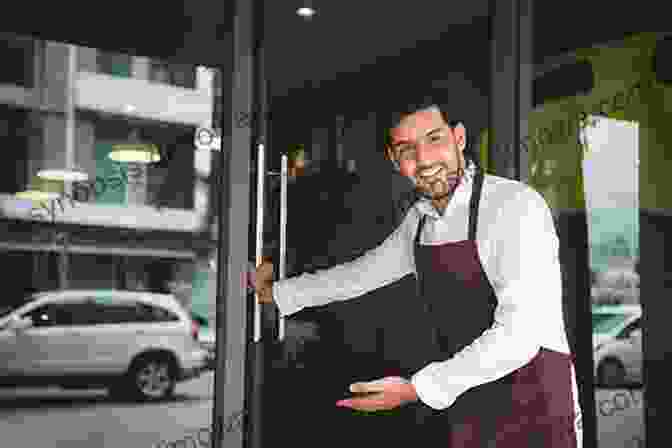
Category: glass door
[108,196]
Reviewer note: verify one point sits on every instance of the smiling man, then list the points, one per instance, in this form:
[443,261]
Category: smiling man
[488,362]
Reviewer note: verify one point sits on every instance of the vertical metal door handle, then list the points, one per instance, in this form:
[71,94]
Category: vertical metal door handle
[283,235]
[261,176]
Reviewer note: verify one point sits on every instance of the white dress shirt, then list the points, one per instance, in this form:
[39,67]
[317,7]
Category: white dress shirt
[518,248]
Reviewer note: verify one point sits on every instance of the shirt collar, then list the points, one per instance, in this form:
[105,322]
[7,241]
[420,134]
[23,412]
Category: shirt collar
[461,196]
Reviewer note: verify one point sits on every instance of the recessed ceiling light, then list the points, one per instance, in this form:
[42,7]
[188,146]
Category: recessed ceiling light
[306,12]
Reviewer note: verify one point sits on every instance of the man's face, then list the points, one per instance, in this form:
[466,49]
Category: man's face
[429,152]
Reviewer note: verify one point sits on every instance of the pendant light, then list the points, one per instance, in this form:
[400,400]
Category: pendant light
[135,150]
[60,165]
[42,190]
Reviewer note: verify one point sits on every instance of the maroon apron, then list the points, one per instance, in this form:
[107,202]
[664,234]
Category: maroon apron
[530,408]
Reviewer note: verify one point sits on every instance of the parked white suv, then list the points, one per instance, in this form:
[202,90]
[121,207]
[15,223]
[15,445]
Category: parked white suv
[617,345]
[136,344]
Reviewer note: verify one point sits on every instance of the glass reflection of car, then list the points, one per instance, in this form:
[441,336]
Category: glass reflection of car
[136,344]
[617,345]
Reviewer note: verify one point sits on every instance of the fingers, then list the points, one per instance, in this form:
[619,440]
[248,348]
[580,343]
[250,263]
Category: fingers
[264,272]
[363,388]
[375,402]
[376,385]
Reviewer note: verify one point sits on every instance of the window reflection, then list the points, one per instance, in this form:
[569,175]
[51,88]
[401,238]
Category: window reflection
[120,254]
[595,169]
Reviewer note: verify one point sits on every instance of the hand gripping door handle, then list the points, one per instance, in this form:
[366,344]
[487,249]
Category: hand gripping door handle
[259,243]
[261,176]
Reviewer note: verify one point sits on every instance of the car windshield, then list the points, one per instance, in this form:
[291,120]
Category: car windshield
[607,322]
[6,310]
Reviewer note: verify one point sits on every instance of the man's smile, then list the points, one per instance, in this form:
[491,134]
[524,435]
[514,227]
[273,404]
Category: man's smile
[428,173]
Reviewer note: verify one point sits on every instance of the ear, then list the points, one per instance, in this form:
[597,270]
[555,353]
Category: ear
[389,155]
[460,133]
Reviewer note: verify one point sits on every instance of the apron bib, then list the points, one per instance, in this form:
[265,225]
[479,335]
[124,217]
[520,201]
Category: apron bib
[531,407]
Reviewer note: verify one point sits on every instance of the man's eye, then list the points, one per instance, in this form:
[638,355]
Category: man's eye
[436,138]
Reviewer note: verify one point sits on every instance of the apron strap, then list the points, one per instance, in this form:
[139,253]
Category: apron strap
[473,209]
[473,220]
[416,246]
[473,203]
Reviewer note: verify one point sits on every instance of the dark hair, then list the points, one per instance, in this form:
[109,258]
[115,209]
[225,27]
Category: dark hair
[417,101]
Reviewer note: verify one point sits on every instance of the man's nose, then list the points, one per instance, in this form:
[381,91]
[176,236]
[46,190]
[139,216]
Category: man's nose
[424,155]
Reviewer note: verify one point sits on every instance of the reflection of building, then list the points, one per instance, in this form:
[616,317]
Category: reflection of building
[135,234]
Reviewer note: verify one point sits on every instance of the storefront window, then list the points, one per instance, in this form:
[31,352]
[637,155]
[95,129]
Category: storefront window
[119,226]
[597,157]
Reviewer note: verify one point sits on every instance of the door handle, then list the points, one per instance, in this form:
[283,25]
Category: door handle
[261,177]
[283,235]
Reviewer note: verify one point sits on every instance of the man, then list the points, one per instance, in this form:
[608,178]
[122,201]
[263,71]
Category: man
[489,357]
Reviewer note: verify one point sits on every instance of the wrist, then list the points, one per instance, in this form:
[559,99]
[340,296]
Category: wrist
[411,393]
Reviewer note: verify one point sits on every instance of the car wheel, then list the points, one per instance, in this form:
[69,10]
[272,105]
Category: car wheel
[152,377]
[611,373]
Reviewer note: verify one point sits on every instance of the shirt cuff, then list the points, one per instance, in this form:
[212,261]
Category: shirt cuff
[428,391]
[286,305]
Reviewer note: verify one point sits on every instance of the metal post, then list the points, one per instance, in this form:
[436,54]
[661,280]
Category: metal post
[526,81]
[233,302]
[70,124]
[505,88]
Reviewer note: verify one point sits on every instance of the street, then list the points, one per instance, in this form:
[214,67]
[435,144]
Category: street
[56,418]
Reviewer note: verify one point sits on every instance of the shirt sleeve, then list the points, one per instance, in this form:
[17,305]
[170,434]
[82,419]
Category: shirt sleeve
[386,263]
[527,281]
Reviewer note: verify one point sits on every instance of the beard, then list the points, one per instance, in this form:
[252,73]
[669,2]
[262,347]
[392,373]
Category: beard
[440,185]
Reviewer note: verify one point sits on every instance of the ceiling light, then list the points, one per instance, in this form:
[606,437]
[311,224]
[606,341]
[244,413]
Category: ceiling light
[42,190]
[63,175]
[36,196]
[135,151]
[306,12]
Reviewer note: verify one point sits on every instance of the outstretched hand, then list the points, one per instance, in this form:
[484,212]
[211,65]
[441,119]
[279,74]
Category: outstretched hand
[384,394]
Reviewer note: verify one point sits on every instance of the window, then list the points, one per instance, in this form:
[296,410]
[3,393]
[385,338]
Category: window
[115,64]
[63,314]
[117,311]
[45,315]
[150,313]
[180,75]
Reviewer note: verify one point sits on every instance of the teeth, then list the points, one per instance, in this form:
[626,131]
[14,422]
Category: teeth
[431,172]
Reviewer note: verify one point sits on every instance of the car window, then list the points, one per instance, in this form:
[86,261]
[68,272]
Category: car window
[62,314]
[117,311]
[6,310]
[44,316]
[151,313]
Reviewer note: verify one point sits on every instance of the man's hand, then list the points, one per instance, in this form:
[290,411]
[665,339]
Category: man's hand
[262,281]
[383,394]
